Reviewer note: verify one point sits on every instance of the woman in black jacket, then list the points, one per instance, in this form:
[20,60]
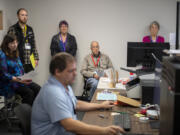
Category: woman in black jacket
[63,41]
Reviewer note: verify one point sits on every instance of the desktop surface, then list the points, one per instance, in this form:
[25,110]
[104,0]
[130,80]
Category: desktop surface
[93,118]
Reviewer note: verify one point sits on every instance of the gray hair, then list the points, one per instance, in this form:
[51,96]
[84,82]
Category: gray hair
[93,42]
[154,23]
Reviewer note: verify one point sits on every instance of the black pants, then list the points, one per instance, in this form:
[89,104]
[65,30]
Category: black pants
[28,92]
[27,68]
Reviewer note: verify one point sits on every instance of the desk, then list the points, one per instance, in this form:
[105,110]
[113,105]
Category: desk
[136,126]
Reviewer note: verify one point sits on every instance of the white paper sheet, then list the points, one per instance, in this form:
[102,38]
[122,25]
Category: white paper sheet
[29,75]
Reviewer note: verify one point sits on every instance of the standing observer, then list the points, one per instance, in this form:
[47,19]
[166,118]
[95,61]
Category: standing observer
[63,41]
[26,40]
[154,28]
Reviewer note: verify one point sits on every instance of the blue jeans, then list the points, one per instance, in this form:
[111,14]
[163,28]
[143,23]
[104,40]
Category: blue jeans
[92,83]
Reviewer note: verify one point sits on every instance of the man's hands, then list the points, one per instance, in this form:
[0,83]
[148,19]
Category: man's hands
[107,104]
[26,81]
[82,128]
[105,75]
[113,130]
[96,76]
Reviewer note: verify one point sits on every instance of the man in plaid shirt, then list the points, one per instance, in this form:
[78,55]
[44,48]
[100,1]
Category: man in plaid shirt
[25,37]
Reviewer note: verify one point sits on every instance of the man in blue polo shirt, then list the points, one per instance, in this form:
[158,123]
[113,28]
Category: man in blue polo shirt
[54,109]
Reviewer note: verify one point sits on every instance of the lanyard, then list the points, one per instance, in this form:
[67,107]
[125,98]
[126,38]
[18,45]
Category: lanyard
[25,33]
[153,41]
[74,109]
[95,64]
[63,43]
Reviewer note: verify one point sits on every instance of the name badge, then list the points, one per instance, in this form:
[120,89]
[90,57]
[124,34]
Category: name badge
[27,46]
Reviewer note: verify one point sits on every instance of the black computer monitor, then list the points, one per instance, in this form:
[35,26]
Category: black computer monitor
[139,53]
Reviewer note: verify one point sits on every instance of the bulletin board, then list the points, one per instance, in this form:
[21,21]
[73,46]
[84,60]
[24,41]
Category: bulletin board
[1,20]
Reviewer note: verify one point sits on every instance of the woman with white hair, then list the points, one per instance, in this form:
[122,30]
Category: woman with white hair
[153,37]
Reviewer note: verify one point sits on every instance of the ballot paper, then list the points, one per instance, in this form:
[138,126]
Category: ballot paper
[120,86]
[172,51]
[29,75]
[106,96]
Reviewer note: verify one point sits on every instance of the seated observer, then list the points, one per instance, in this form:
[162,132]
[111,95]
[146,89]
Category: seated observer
[154,28]
[54,109]
[93,67]
[10,69]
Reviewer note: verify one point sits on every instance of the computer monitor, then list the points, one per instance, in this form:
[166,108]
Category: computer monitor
[139,53]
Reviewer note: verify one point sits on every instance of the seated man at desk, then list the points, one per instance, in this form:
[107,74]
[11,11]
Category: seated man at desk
[93,67]
[54,109]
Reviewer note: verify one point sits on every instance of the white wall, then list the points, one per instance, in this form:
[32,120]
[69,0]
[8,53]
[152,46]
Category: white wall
[111,22]
[9,8]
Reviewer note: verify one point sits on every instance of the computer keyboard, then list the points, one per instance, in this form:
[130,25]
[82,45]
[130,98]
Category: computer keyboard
[129,70]
[144,71]
[123,120]
[135,134]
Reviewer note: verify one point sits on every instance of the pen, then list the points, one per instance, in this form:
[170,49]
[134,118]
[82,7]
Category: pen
[119,112]
[101,116]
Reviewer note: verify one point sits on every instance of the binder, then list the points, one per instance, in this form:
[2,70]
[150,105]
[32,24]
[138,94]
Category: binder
[32,59]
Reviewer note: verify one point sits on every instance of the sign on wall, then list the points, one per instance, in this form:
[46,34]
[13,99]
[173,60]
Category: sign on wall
[1,20]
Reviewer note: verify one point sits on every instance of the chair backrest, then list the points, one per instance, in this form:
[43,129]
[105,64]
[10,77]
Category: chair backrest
[2,102]
[85,94]
[23,112]
[85,83]
[86,87]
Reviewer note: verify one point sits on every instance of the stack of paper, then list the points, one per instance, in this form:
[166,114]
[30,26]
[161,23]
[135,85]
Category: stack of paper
[172,51]
[29,75]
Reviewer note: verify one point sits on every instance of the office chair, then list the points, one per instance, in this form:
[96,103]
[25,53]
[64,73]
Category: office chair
[23,113]
[86,91]
[7,105]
